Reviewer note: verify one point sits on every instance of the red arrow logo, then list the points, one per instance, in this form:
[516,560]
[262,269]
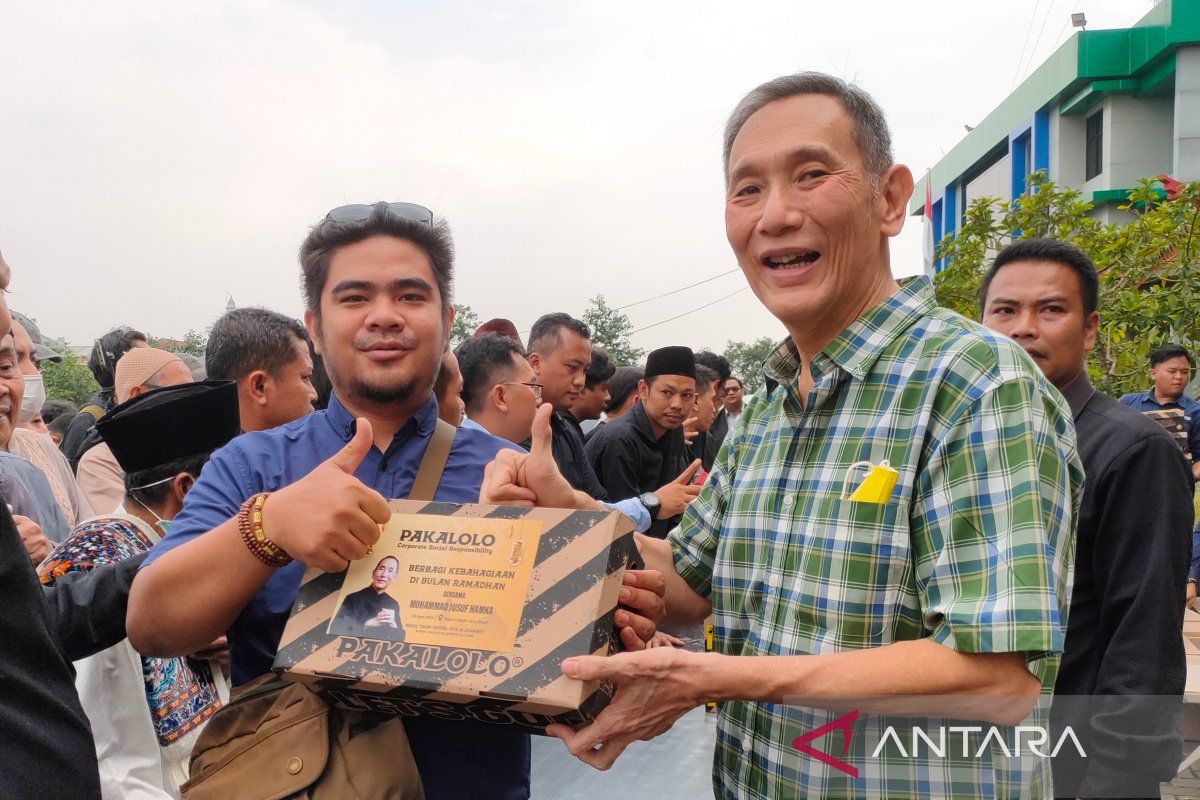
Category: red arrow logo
[842,724]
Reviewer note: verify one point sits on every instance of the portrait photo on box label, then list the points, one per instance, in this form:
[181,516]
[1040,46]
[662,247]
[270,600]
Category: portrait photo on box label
[440,580]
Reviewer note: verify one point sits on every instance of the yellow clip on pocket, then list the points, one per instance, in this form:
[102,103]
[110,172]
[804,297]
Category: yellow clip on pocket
[877,487]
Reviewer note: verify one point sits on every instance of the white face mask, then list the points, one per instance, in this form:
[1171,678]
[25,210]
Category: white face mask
[33,399]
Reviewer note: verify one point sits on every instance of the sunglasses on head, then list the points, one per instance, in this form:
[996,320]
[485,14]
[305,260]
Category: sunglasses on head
[360,212]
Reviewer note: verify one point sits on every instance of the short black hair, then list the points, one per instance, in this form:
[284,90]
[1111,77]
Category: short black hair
[328,236]
[156,494]
[53,409]
[1169,351]
[481,360]
[546,335]
[718,364]
[600,370]
[733,378]
[246,339]
[705,376]
[1054,251]
[623,383]
[60,423]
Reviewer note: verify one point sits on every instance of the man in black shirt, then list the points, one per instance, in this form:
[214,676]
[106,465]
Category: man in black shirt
[1132,553]
[643,453]
[371,612]
[594,398]
[559,352]
[721,366]
[704,444]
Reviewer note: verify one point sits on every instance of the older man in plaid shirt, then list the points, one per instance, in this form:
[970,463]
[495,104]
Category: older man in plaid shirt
[836,610]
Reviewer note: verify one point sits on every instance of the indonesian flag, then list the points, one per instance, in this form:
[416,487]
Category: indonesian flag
[927,245]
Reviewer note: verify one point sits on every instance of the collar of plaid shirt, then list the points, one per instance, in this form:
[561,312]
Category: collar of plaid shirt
[972,550]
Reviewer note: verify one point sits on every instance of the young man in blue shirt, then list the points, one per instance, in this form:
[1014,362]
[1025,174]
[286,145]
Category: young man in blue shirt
[377,284]
[1171,370]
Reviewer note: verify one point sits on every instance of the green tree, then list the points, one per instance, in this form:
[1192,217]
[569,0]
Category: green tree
[69,380]
[1149,276]
[746,360]
[611,330]
[466,322]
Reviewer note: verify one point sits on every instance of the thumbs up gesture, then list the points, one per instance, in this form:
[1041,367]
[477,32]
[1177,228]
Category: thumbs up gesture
[528,479]
[328,518]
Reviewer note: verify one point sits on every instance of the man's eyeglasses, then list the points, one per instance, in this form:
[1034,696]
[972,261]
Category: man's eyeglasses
[360,212]
[536,388]
[732,389]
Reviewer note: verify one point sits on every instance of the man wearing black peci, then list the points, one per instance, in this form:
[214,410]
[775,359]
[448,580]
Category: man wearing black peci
[643,454]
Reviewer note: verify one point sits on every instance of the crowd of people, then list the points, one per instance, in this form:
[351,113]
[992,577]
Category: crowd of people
[1032,538]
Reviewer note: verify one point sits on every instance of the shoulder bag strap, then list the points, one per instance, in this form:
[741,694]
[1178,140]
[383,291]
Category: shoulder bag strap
[429,474]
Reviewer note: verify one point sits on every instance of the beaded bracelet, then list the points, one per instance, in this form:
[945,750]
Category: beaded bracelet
[249,520]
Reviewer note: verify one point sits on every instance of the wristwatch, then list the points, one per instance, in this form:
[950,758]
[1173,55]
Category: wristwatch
[652,503]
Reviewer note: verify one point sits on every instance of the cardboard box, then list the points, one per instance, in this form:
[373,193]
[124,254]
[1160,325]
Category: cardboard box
[466,612]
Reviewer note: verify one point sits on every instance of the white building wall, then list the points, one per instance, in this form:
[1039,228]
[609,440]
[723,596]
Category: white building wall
[1186,145]
[1138,135]
[995,181]
[1141,134]
[1067,148]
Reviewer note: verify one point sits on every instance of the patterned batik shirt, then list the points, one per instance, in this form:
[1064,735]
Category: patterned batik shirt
[972,550]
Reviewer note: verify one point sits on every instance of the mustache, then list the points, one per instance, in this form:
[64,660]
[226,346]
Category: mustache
[406,339]
[1036,352]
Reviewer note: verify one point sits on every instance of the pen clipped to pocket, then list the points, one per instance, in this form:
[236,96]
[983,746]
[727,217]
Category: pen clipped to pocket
[876,487]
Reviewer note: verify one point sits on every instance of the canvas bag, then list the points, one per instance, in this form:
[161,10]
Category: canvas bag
[277,740]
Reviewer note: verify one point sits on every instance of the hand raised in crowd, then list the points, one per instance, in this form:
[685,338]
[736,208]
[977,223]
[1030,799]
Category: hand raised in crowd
[36,543]
[654,689]
[529,479]
[689,430]
[328,518]
[675,496]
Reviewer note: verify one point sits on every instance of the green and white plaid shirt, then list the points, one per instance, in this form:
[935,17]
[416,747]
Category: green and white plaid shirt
[973,550]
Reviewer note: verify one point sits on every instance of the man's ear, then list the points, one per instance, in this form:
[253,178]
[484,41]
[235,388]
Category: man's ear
[182,485]
[643,391]
[891,201]
[498,397]
[313,324]
[448,322]
[256,386]
[1090,326]
[535,363]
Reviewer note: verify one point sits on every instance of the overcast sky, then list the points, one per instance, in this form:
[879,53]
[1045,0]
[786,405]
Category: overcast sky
[155,156]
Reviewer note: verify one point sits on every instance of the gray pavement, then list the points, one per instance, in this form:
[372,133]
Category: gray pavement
[676,764]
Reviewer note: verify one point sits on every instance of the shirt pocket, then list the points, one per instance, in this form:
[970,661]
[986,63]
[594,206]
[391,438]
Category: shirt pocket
[853,567]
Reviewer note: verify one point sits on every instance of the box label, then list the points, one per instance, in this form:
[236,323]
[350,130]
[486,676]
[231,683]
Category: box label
[441,580]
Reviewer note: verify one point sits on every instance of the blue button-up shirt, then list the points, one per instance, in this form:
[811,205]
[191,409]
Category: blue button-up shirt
[1146,401]
[455,759]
